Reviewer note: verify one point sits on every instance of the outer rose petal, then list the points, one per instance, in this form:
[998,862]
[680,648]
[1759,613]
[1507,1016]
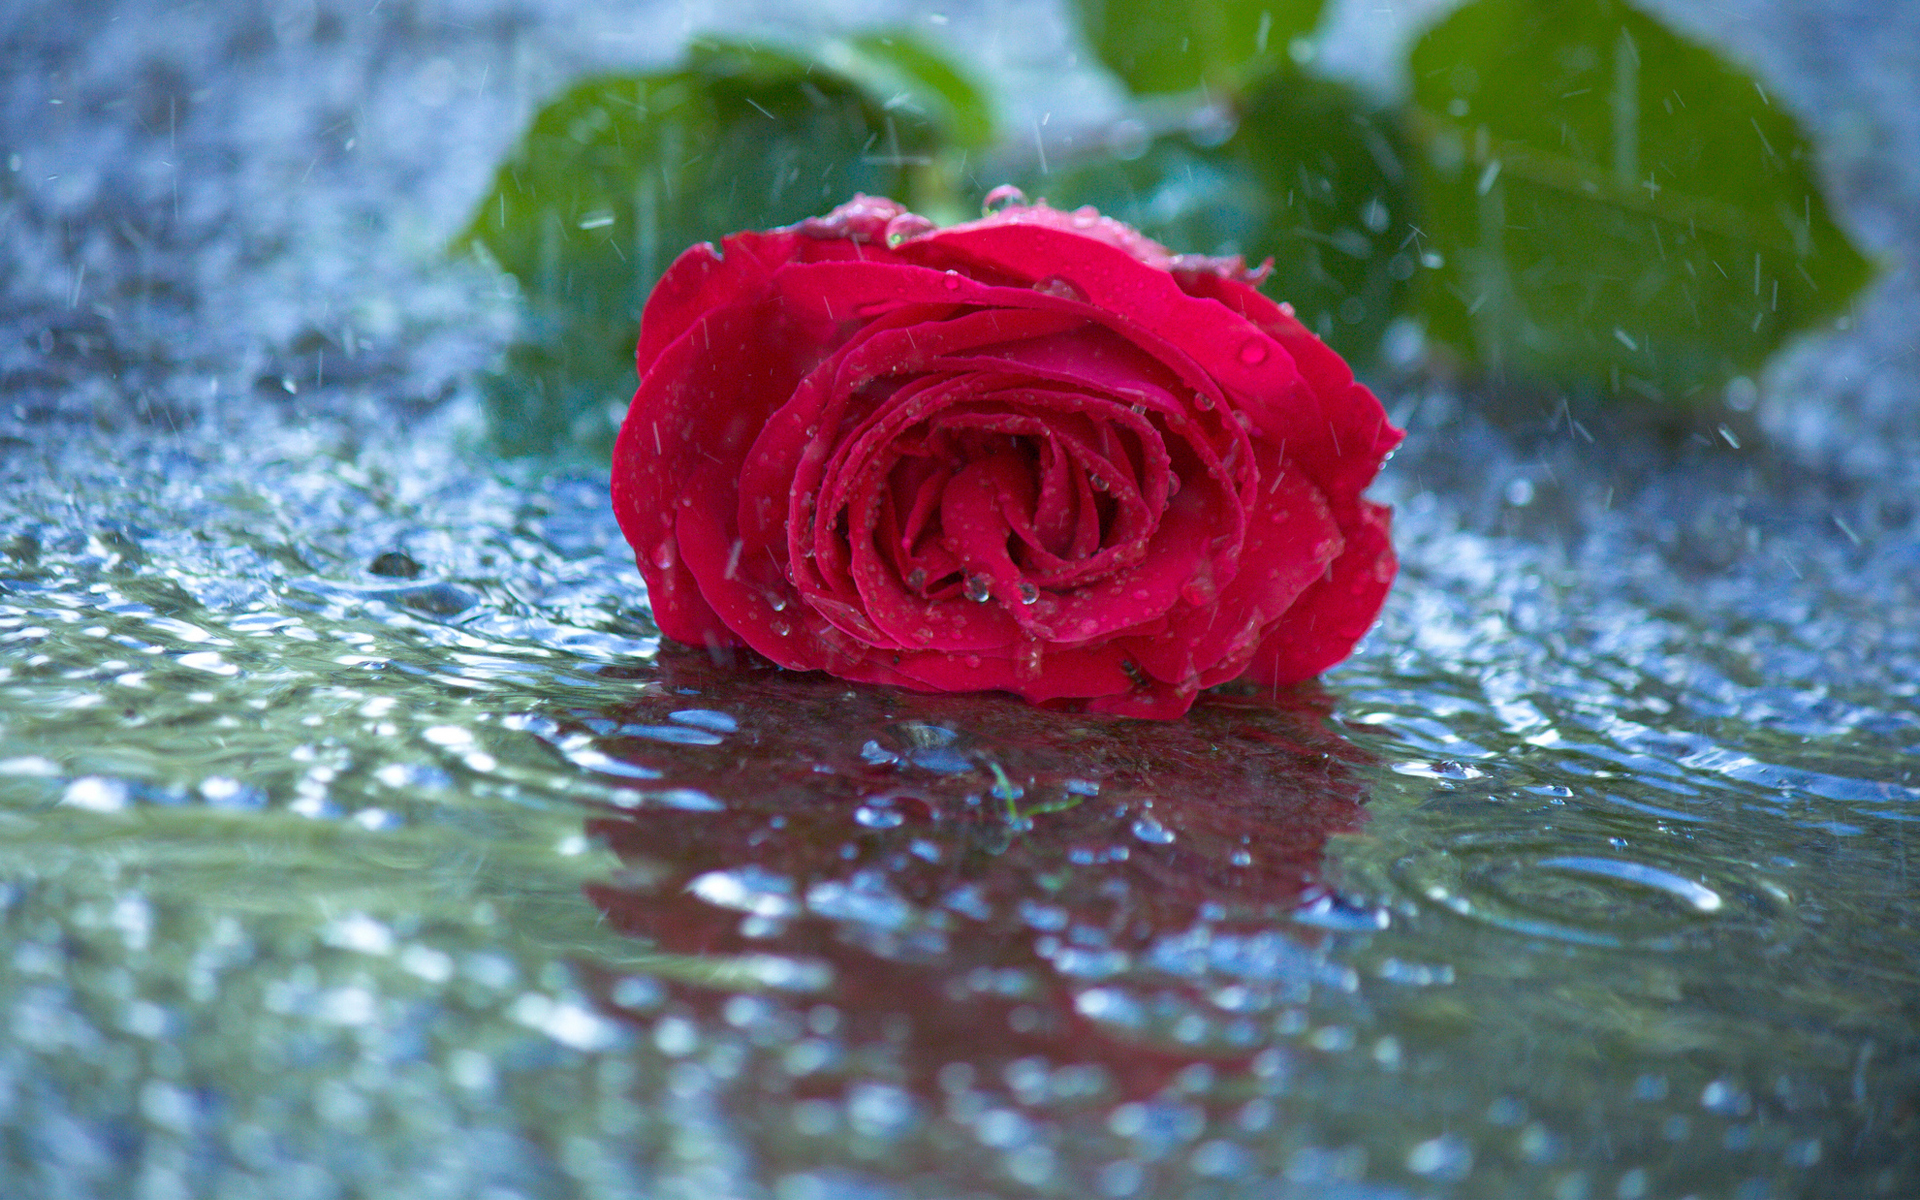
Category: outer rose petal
[1323,625]
[819,411]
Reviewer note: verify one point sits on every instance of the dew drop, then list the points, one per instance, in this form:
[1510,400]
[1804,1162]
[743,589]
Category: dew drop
[1253,352]
[917,579]
[1060,288]
[952,281]
[907,225]
[1002,197]
[1028,593]
[781,629]
[979,588]
[663,554]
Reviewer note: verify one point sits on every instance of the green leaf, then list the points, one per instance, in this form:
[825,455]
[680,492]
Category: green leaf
[1311,175]
[623,172]
[1617,207]
[904,74]
[1156,46]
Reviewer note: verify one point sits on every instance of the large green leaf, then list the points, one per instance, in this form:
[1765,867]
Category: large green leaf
[622,172]
[1312,176]
[1617,207]
[1159,46]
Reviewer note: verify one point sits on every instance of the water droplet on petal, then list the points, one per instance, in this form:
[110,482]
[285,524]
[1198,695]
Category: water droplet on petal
[917,579]
[1027,660]
[780,628]
[979,588]
[907,225]
[663,554]
[1254,351]
[1197,591]
[1028,592]
[1060,288]
[952,281]
[1001,197]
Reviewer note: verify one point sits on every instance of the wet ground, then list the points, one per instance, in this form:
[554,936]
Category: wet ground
[360,839]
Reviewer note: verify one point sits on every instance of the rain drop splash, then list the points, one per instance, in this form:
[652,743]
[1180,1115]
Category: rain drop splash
[1004,196]
[1699,896]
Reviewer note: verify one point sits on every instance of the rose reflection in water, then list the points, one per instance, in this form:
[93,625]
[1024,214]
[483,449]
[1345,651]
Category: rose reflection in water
[967,880]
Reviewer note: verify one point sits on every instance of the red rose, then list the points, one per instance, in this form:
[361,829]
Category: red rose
[1034,452]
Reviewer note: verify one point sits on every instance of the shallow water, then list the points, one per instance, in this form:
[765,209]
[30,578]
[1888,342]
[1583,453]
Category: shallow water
[363,840]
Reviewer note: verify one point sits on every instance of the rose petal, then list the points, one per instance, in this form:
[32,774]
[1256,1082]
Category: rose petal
[702,402]
[1330,616]
[1358,435]
[1291,537]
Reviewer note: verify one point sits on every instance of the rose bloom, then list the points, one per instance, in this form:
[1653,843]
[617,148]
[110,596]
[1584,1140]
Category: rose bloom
[1034,452]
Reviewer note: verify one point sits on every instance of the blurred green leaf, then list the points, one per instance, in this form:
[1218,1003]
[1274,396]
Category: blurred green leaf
[1155,46]
[1613,203]
[623,172]
[904,73]
[1310,175]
